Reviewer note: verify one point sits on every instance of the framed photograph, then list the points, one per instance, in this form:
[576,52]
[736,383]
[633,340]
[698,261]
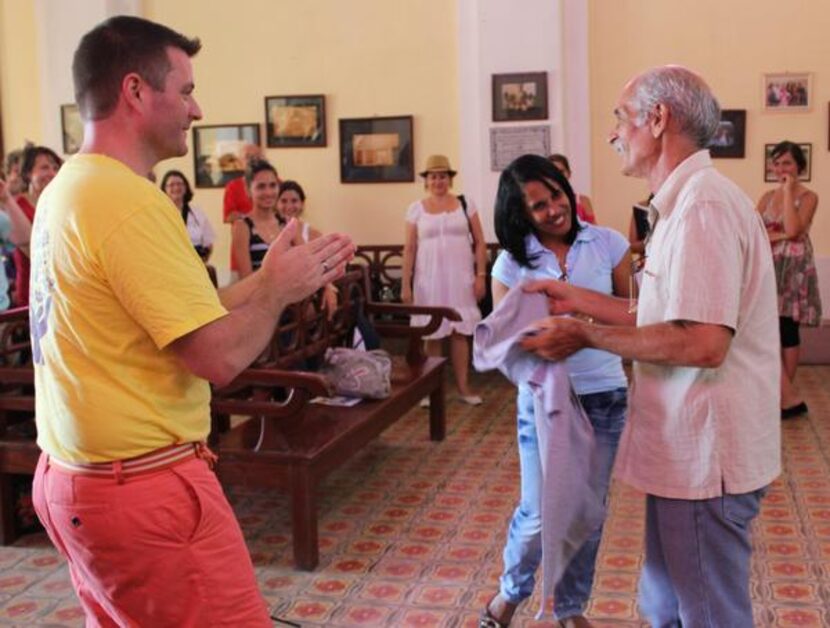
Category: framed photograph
[217,152]
[72,129]
[520,96]
[789,91]
[507,143]
[376,150]
[730,139]
[769,174]
[295,121]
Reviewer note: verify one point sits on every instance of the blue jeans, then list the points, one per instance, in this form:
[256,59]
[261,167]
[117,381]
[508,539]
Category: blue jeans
[523,551]
[696,572]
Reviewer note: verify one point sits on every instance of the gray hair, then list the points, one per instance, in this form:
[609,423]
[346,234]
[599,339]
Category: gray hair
[685,94]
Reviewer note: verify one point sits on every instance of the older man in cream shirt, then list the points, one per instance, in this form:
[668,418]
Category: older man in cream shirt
[703,436]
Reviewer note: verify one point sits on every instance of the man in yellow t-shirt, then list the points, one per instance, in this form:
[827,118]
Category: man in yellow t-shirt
[127,331]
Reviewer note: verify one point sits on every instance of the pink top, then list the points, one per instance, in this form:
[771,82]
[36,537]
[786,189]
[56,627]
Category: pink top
[696,433]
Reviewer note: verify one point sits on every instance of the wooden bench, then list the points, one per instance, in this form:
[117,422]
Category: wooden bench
[18,451]
[291,444]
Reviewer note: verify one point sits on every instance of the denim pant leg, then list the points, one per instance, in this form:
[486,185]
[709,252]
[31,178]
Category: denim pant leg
[523,550]
[606,411]
[699,574]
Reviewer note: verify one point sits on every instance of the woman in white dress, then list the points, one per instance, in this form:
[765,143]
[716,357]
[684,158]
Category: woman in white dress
[445,264]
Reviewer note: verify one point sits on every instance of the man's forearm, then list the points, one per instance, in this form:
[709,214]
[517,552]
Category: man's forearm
[239,292]
[672,344]
[221,350]
[606,309]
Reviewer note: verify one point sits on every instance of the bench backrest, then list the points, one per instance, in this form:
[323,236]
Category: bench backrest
[306,330]
[384,262]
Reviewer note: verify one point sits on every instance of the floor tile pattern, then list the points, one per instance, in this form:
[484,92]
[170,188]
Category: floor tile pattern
[411,533]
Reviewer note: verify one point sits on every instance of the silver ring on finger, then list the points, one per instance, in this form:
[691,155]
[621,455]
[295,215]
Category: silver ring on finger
[325,267]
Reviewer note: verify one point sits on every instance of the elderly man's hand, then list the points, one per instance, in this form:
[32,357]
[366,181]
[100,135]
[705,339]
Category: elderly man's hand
[563,297]
[556,338]
[296,272]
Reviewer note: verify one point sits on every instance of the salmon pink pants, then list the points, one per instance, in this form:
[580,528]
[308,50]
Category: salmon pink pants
[158,549]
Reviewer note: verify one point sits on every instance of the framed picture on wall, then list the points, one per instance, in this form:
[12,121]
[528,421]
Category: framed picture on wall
[788,91]
[729,140]
[520,96]
[217,152]
[376,150]
[72,129]
[295,121]
[769,173]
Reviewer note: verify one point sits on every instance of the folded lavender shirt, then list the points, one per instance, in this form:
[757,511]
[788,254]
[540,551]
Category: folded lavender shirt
[572,505]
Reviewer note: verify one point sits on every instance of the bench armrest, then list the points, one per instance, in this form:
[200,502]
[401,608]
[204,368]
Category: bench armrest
[252,394]
[415,353]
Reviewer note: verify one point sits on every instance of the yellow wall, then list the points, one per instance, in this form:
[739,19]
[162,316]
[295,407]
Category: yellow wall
[19,74]
[369,57]
[731,44]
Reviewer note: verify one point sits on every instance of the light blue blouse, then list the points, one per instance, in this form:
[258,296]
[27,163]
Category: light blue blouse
[591,260]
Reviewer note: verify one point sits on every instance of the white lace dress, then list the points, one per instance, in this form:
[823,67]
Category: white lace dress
[444,267]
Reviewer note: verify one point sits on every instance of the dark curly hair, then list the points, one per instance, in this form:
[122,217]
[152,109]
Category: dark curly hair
[511,220]
[782,148]
[30,154]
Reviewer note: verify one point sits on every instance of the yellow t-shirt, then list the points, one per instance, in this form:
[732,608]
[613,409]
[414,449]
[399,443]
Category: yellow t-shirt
[114,281]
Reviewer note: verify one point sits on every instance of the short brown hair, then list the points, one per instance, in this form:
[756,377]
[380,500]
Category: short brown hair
[30,155]
[113,49]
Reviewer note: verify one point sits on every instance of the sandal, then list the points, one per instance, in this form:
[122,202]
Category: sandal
[488,620]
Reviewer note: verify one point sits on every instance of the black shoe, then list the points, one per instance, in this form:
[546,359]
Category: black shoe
[793,411]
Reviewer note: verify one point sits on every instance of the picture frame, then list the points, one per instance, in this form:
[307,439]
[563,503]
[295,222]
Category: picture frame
[729,141]
[216,152]
[376,150]
[520,96]
[295,121]
[72,129]
[769,175]
[790,92]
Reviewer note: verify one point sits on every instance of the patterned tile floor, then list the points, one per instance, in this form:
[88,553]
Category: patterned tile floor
[411,533]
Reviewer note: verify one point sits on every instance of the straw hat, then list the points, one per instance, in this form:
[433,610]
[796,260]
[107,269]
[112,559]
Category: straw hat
[437,163]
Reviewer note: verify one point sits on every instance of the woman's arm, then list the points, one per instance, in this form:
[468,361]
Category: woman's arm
[499,291]
[21,228]
[240,247]
[480,248]
[410,250]
[797,220]
[773,234]
[621,277]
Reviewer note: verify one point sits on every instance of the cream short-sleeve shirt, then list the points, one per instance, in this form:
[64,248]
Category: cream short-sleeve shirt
[696,433]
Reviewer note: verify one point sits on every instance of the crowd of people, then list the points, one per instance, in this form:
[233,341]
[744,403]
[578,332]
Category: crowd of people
[124,486]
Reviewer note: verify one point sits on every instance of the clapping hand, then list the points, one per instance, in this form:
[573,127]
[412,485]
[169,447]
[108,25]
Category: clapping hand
[299,271]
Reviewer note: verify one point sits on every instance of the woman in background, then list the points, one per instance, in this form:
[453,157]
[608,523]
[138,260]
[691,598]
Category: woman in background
[291,204]
[788,213]
[251,235]
[445,264]
[584,208]
[38,167]
[201,233]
